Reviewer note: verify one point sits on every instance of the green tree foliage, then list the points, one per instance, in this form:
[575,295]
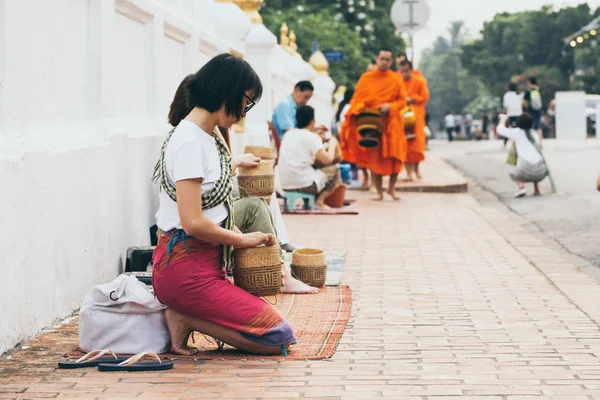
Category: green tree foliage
[450,86]
[330,34]
[513,43]
[356,27]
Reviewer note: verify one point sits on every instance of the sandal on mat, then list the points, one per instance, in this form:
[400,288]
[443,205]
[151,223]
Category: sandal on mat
[133,364]
[92,359]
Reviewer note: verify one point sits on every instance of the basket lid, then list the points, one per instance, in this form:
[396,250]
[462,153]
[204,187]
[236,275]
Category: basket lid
[263,168]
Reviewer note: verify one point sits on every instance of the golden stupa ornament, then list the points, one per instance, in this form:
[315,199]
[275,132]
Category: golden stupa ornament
[293,44]
[319,62]
[251,7]
[284,40]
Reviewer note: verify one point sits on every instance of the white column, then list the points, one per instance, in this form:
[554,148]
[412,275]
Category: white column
[597,120]
[570,116]
[155,57]
[325,87]
[2,63]
[259,43]
[103,59]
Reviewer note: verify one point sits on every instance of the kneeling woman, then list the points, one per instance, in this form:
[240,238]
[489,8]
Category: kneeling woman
[196,214]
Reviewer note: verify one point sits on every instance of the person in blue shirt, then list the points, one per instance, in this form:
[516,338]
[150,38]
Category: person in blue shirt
[284,116]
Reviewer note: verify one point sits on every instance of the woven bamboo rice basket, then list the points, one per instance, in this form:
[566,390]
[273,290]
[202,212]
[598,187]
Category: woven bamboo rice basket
[409,118]
[265,153]
[310,266]
[258,181]
[369,125]
[258,270]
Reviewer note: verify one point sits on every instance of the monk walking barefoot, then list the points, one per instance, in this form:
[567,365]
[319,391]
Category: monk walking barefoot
[383,90]
[417,97]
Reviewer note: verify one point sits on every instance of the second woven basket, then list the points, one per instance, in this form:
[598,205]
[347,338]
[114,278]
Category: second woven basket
[310,266]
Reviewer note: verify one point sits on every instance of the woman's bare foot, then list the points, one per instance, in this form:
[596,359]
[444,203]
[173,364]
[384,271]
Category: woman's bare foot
[179,332]
[292,285]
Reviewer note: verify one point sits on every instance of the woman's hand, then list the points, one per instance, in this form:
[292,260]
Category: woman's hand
[245,160]
[502,119]
[256,239]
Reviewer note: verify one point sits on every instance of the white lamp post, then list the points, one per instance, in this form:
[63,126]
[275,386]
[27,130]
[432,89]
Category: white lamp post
[410,16]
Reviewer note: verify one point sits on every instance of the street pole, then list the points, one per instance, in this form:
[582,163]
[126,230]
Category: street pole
[412,23]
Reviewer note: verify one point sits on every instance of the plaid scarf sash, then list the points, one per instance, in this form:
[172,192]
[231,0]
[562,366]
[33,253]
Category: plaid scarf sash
[219,194]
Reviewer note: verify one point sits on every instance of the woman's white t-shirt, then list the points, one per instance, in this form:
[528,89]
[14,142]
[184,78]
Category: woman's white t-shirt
[525,149]
[190,154]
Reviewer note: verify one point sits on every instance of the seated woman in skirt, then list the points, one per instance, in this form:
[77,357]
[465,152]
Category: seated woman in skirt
[300,149]
[197,217]
[531,166]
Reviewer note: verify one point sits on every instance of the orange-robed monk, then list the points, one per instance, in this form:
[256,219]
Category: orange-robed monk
[383,90]
[401,57]
[417,96]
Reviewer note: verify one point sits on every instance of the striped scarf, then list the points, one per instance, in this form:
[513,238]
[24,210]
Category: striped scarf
[219,194]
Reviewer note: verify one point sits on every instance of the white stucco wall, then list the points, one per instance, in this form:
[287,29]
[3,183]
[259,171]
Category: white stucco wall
[85,88]
[84,95]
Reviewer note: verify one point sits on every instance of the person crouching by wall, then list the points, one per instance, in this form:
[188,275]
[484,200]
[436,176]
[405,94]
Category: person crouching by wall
[300,148]
[531,166]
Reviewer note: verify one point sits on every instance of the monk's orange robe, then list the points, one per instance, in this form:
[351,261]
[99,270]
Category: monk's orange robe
[374,89]
[416,89]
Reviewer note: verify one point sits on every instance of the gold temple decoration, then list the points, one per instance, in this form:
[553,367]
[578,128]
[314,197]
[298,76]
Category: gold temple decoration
[284,40]
[294,45]
[251,7]
[319,62]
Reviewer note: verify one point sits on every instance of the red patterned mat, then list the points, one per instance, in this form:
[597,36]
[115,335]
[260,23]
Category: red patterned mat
[319,321]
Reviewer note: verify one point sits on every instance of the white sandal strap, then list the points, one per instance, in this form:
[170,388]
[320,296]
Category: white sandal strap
[94,355]
[134,359]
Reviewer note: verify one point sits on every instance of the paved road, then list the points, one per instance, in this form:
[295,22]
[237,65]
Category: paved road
[572,216]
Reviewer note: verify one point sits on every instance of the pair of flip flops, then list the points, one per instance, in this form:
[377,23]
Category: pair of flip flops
[106,360]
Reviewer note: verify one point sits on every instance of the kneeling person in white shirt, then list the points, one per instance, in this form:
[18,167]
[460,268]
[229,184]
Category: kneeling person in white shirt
[300,148]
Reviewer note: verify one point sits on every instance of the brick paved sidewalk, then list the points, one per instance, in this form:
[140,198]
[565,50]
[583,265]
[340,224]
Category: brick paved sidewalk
[452,299]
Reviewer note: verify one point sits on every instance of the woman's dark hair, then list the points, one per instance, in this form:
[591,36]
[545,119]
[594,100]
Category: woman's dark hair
[304,116]
[512,87]
[347,97]
[224,80]
[525,123]
[180,107]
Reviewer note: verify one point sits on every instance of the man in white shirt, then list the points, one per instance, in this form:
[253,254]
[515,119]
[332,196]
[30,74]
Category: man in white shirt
[300,148]
[513,104]
[450,122]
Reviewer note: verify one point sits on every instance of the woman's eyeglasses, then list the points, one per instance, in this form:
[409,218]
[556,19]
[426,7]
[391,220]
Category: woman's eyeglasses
[250,104]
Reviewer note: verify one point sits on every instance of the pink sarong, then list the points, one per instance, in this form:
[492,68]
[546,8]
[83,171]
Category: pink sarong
[192,281]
